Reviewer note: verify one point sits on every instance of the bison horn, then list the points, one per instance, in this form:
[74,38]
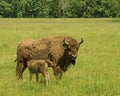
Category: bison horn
[81,41]
[65,42]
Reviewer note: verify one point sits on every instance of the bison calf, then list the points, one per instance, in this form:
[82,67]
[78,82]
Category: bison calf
[39,66]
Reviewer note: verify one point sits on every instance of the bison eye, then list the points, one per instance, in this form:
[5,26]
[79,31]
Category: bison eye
[69,49]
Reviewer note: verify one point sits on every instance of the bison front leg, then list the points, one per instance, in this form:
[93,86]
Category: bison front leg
[57,72]
[20,69]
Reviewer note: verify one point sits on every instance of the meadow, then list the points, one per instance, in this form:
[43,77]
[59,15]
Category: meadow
[97,70]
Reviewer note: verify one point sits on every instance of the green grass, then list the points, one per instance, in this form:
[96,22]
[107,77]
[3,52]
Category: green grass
[96,73]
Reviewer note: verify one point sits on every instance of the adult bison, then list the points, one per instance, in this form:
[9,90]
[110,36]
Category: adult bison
[62,51]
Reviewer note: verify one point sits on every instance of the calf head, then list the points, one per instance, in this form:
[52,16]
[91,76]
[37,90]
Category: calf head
[49,63]
[71,48]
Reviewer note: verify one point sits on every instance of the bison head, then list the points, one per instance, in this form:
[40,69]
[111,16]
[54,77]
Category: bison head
[71,48]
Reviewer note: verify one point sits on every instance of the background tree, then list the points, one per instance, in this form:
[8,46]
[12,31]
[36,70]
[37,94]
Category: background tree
[6,9]
[60,8]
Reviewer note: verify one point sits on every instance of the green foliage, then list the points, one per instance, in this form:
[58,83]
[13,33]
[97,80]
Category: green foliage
[59,8]
[5,9]
[108,8]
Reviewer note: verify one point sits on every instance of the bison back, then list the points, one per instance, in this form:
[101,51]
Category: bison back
[33,49]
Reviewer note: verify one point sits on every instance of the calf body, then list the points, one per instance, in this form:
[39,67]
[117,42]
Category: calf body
[39,66]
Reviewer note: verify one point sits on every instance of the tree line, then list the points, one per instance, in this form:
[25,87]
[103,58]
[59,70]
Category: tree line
[59,8]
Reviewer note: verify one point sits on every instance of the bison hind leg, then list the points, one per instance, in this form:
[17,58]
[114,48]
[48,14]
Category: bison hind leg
[20,69]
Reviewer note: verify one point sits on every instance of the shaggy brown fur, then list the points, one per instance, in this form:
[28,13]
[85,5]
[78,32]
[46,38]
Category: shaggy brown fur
[62,51]
[39,66]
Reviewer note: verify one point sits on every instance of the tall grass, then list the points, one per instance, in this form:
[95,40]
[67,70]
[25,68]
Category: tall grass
[97,70]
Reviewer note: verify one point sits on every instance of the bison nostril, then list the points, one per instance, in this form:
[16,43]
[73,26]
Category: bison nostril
[74,56]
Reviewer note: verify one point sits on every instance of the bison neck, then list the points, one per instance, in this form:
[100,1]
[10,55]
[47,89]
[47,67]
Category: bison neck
[64,62]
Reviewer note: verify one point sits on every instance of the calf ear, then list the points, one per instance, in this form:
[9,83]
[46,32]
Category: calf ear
[81,41]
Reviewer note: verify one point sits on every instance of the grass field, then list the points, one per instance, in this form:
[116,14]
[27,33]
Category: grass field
[97,70]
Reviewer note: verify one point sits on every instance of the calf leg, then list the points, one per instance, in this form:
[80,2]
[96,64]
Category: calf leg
[47,79]
[31,76]
[37,75]
[46,76]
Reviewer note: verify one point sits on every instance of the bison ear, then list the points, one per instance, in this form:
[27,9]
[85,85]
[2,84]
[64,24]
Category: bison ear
[65,43]
[81,41]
